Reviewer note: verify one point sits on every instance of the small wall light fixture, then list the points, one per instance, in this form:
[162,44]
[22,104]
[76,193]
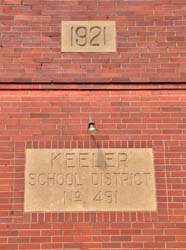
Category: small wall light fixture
[91,127]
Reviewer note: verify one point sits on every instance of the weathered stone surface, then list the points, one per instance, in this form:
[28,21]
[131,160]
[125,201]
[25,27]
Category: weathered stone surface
[88,36]
[89,180]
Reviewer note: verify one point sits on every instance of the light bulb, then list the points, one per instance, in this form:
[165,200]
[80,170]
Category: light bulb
[91,127]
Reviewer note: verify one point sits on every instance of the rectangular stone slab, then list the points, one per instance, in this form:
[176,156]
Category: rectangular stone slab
[89,180]
[88,36]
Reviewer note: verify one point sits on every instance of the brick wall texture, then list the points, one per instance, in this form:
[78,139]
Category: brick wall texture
[151,47]
[151,44]
[54,116]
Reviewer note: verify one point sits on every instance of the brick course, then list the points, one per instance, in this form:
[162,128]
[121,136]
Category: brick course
[53,116]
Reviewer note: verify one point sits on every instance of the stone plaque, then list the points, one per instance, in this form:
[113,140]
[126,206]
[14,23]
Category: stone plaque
[88,36]
[89,180]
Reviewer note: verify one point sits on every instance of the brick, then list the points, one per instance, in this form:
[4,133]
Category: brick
[142,42]
[28,112]
[30,246]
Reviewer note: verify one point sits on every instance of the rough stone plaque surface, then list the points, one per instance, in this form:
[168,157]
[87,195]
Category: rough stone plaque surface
[88,36]
[89,180]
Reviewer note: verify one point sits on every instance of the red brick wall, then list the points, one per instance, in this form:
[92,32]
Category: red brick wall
[151,41]
[53,116]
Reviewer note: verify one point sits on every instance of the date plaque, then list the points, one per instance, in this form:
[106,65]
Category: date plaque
[88,36]
[89,180]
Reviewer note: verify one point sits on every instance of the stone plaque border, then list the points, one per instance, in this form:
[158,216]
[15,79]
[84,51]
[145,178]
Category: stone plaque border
[88,36]
[74,180]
